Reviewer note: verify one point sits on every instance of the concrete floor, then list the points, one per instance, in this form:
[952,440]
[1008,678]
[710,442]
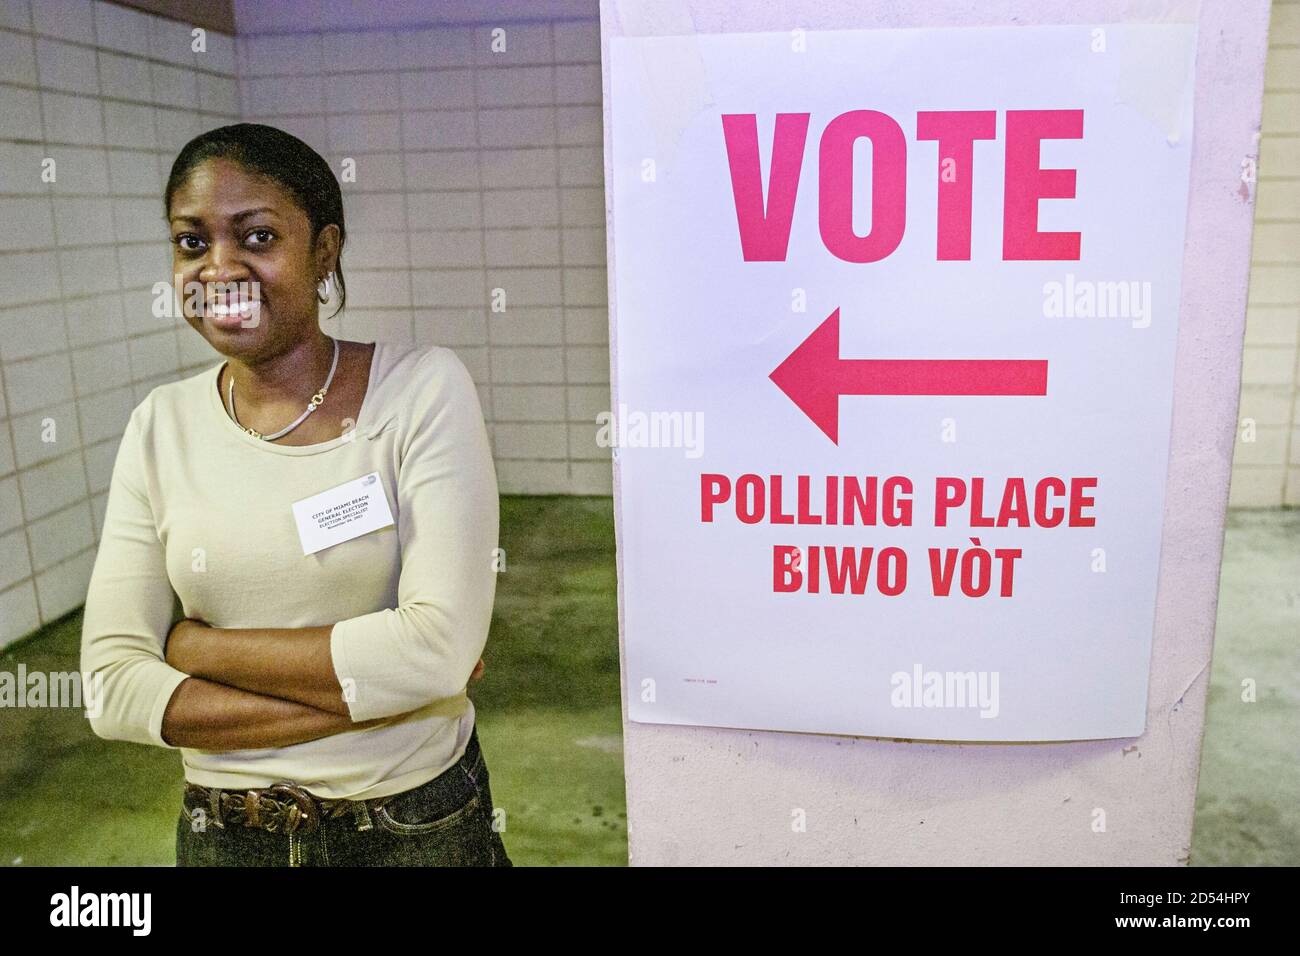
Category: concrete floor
[548,717]
[1248,800]
[550,727]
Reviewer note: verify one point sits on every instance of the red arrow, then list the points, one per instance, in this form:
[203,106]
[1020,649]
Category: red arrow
[814,376]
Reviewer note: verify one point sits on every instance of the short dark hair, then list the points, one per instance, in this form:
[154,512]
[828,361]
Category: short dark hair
[279,156]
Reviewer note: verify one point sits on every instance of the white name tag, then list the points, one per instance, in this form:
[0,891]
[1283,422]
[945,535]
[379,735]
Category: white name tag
[348,511]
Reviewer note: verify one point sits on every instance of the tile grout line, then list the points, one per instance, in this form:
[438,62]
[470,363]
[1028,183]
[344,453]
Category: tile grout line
[564,311]
[484,307]
[406,215]
[18,472]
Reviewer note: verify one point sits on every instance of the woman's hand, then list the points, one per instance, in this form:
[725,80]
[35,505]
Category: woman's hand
[478,671]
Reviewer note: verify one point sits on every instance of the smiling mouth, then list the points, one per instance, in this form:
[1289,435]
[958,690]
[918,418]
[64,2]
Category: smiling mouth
[241,308]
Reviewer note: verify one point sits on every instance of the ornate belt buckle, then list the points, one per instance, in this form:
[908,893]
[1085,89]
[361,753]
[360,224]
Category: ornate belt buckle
[302,813]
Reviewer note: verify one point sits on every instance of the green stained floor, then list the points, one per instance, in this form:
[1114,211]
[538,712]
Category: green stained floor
[1248,797]
[548,716]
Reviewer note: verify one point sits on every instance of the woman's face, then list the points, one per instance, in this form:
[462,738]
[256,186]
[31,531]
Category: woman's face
[247,243]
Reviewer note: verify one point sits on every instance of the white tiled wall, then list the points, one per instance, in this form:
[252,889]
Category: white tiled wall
[477,216]
[95,101]
[479,179]
[477,171]
[1266,470]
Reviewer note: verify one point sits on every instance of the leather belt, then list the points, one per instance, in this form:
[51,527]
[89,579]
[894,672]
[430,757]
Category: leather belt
[283,807]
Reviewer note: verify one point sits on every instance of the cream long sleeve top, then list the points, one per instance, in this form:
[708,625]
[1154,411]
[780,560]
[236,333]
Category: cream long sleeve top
[199,524]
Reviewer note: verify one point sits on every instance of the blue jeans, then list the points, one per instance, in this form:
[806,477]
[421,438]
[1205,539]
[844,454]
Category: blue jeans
[445,822]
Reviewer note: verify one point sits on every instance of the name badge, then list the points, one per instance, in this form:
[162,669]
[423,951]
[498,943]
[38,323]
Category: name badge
[345,512]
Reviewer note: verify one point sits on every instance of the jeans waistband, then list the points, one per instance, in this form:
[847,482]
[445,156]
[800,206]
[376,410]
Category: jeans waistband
[286,806]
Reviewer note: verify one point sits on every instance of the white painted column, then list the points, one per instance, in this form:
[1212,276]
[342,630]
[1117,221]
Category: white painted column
[701,795]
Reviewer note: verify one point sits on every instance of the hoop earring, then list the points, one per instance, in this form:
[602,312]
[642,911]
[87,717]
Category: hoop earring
[328,282]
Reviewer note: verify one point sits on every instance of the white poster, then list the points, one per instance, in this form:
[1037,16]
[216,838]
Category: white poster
[894,327]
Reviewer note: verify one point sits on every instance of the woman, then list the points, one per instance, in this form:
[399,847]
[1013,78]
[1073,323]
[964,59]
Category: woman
[296,573]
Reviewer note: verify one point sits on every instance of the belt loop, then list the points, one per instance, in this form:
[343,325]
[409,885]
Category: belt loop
[361,812]
[252,809]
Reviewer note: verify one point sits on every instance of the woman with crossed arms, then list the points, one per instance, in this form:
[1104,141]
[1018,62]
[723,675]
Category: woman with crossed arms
[296,572]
